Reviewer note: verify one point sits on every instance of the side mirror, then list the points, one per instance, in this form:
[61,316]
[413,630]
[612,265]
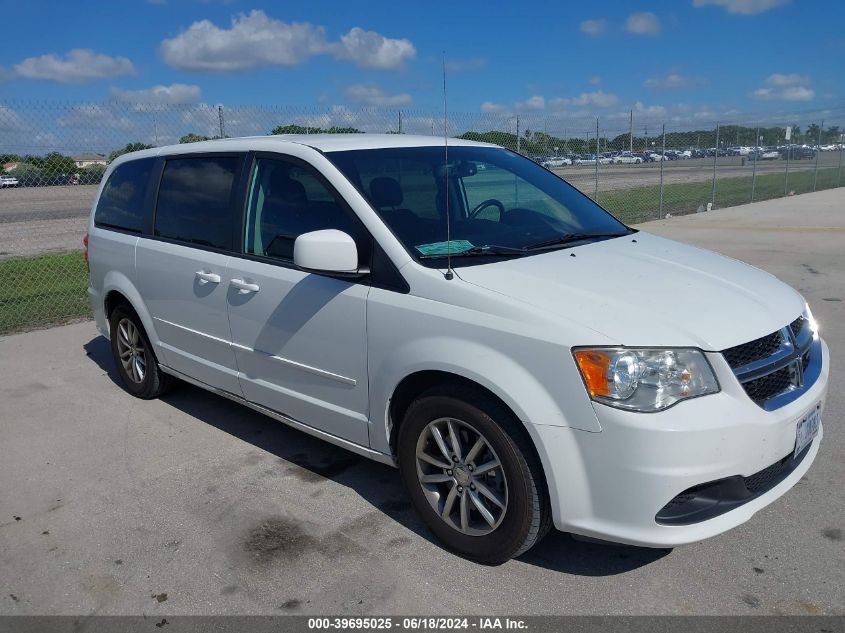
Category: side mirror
[328,251]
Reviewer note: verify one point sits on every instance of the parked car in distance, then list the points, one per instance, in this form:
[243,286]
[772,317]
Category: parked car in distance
[627,158]
[767,153]
[585,159]
[646,157]
[556,161]
[798,152]
[500,361]
[8,181]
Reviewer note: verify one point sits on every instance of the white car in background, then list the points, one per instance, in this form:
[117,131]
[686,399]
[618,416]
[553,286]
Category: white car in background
[626,158]
[541,364]
[8,181]
[556,161]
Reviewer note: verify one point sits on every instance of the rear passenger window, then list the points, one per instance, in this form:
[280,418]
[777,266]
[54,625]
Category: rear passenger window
[195,200]
[121,205]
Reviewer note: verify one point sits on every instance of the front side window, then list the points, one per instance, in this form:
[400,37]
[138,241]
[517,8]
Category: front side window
[195,200]
[286,200]
[500,203]
[121,205]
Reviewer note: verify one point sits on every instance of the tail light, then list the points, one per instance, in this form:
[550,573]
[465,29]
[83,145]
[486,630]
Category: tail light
[85,252]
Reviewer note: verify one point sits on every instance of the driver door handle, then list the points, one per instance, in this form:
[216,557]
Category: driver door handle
[243,286]
[205,277]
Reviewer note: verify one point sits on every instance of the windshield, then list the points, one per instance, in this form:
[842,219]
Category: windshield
[500,203]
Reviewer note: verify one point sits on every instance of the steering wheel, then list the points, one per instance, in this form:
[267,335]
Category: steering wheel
[491,202]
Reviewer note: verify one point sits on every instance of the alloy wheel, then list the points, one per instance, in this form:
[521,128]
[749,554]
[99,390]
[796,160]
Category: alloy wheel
[461,476]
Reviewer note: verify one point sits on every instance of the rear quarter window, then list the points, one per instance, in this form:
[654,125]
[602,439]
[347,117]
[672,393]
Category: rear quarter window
[121,204]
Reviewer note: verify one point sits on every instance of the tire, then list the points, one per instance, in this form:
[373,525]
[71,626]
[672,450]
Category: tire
[518,479]
[142,379]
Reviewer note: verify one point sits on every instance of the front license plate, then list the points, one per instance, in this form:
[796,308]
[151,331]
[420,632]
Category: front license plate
[808,428]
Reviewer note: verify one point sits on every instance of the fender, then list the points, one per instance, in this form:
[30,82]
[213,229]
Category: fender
[503,375]
[117,281]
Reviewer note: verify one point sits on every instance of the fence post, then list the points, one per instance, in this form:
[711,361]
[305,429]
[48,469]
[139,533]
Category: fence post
[786,173]
[756,160]
[818,151]
[839,171]
[518,138]
[220,119]
[400,121]
[715,160]
[596,195]
[662,160]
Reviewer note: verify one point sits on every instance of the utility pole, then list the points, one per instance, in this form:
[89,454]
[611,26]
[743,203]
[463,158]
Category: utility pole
[818,151]
[220,120]
[715,160]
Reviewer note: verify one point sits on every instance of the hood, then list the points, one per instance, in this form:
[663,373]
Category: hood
[644,290]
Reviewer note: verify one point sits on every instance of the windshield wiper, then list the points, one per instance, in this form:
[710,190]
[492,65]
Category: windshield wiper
[477,251]
[568,238]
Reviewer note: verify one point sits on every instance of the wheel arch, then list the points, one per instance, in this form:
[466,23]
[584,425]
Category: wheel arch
[417,383]
[117,289]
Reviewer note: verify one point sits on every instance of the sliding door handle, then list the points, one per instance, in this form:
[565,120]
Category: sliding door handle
[244,286]
[205,277]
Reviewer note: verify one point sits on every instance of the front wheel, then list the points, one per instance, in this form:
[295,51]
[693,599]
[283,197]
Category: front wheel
[473,475]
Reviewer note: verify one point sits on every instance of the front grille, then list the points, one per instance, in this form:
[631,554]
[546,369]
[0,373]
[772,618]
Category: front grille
[770,385]
[797,325]
[758,349]
[775,364]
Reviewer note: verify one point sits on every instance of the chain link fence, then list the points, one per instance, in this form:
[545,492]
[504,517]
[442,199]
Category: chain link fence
[639,165]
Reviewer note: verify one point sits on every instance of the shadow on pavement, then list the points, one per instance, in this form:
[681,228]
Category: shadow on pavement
[376,483]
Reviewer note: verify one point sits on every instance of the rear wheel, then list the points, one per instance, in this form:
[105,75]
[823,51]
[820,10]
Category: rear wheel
[472,475]
[134,357]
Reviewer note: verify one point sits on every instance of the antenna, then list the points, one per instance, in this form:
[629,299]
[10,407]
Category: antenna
[449,274]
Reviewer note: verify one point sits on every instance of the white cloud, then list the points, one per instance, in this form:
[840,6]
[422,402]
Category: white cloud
[10,121]
[465,65]
[371,95]
[649,110]
[78,66]
[536,102]
[489,106]
[593,27]
[174,93]
[785,87]
[255,39]
[742,7]
[595,80]
[671,81]
[598,99]
[369,49]
[644,23]
[790,79]
[94,116]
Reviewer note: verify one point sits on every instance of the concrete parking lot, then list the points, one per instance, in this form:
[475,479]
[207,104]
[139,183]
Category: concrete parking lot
[192,504]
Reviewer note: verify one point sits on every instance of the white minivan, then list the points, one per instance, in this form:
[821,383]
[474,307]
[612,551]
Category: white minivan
[457,310]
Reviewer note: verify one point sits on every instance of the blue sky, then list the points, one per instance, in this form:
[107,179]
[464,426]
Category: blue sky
[701,58]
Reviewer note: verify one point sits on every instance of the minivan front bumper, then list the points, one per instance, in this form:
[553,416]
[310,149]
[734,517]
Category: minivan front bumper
[613,484]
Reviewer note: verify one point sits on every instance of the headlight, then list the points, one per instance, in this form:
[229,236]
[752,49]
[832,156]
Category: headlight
[644,379]
[811,321]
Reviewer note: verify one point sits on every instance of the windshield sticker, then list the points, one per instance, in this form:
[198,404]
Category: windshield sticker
[442,248]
